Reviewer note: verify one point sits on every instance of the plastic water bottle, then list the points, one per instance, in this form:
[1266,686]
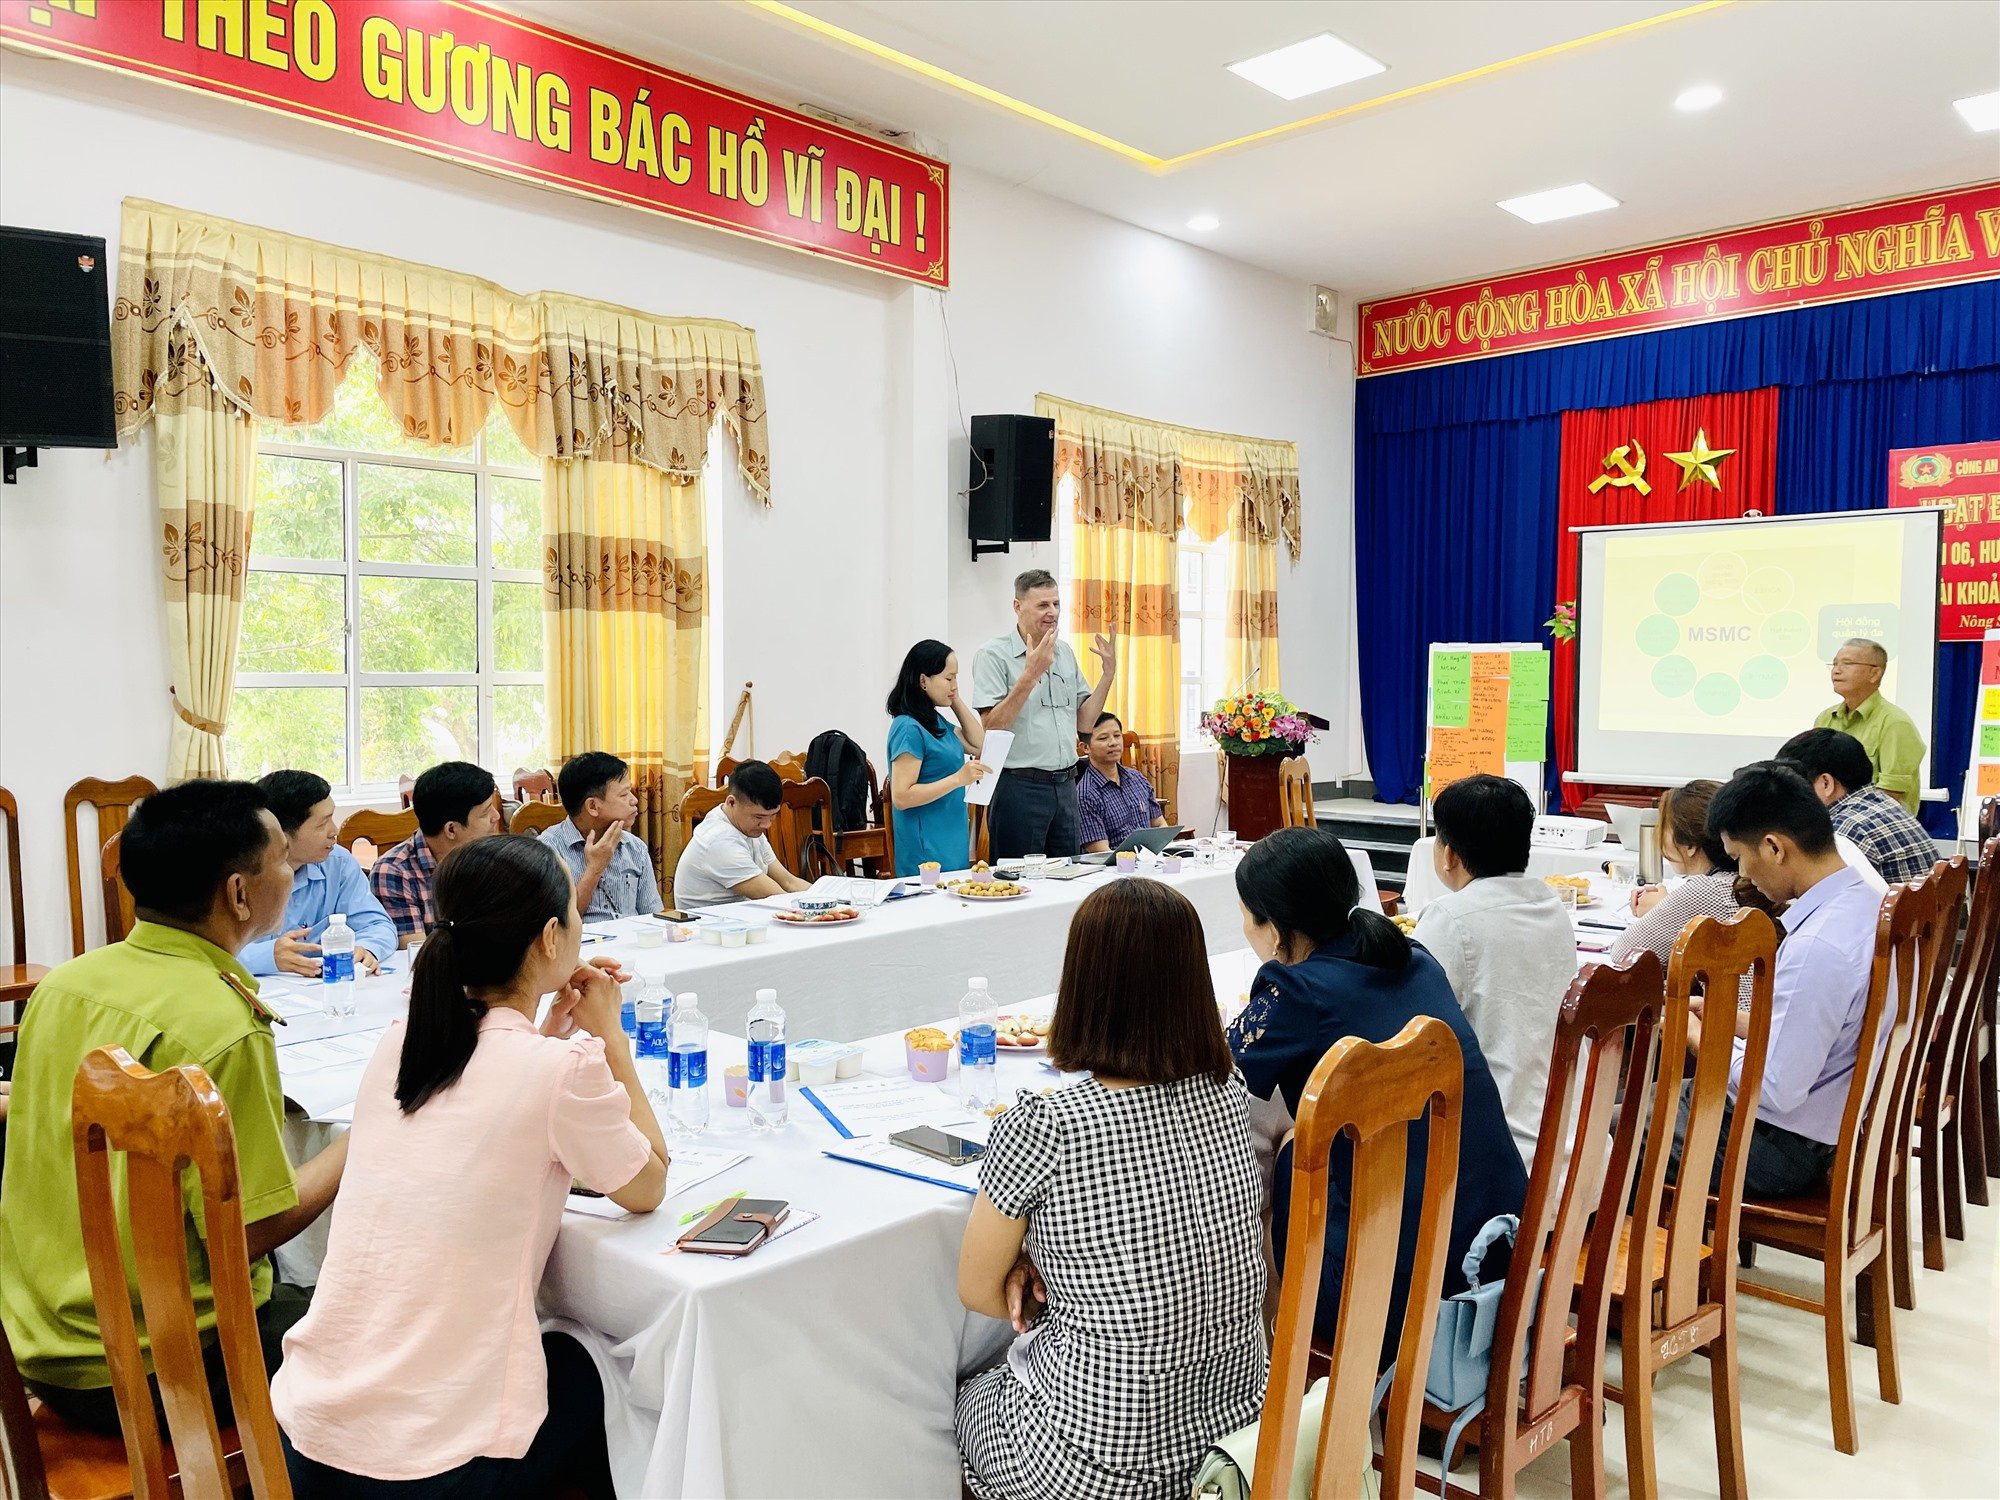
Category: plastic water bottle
[336,966]
[687,1067]
[649,1048]
[978,1050]
[628,1009]
[768,1106]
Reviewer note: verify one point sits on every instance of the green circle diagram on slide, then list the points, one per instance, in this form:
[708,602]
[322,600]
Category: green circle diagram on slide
[1765,591]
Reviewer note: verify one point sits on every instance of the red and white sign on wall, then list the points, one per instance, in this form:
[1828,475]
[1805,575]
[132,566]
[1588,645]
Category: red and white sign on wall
[479,86]
[1963,480]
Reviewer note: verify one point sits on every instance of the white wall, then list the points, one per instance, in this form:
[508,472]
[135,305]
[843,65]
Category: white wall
[864,550]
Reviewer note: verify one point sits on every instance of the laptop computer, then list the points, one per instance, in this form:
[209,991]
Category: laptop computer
[1154,839]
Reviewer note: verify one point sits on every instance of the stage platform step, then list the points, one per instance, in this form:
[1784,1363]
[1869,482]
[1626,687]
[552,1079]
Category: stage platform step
[1385,830]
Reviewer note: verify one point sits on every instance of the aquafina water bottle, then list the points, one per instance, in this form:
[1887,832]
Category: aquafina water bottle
[768,1106]
[336,966]
[687,1067]
[978,1048]
[649,1047]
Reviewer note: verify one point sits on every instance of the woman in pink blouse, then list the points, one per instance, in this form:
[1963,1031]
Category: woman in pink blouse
[421,1370]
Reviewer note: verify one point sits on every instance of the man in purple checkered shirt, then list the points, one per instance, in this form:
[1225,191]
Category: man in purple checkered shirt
[1888,833]
[455,803]
[1113,801]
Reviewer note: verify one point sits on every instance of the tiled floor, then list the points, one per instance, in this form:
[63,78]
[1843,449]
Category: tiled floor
[1941,1443]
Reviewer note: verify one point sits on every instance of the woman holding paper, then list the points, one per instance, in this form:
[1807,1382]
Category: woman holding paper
[421,1362]
[929,768]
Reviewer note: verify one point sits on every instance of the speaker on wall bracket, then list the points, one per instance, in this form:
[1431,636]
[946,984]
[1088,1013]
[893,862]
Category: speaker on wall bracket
[1010,488]
[55,346]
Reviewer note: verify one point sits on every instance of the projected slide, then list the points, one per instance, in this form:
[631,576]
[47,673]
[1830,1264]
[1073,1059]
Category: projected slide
[1704,646]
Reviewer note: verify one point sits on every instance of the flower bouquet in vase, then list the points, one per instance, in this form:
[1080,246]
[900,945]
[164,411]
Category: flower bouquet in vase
[1256,731]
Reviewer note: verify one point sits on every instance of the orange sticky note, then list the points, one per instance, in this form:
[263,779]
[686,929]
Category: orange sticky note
[1989,779]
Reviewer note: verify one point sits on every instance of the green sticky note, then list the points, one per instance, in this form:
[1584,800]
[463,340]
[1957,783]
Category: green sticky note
[1530,673]
[1989,741]
[1451,713]
[1527,730]
[1451,674]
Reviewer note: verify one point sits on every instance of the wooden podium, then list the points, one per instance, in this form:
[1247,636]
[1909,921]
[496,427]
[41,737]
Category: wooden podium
[1252,790]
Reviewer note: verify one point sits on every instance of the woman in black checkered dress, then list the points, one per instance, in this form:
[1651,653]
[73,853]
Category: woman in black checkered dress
[1117,1225]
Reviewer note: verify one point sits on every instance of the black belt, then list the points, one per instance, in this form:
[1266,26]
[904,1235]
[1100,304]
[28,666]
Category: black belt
[1047,778]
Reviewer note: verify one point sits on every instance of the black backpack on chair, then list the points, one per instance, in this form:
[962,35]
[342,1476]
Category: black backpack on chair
[835,759]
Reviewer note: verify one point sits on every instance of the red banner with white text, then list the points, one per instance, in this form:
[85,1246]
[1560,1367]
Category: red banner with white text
[1962,480]
[1702,458]
[1934,239]
[491,90]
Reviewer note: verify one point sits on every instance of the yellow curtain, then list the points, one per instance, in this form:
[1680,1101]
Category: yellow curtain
[1235,487]
[625,605]
[1127,584]
[205,464]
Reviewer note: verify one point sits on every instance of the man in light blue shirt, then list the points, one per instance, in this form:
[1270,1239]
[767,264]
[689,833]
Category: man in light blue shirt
[612,866]
[325,879]
[1774,826]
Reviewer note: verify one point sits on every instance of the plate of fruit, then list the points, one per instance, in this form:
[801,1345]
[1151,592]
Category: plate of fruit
[986,890]
[830,916]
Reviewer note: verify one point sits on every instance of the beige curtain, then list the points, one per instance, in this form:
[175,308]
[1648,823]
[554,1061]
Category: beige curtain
[626,604]
[231,321]
[1247,491]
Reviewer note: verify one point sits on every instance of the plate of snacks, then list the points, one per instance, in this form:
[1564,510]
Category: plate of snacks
[1404,924]
[1578,883]
[927,1051]
[1021,1033]
[831,916]
[986,890]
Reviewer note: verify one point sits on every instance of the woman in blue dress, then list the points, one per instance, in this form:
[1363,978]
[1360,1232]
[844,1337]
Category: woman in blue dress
[928,766]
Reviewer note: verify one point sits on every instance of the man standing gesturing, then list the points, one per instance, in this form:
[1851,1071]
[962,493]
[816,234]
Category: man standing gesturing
[1027,681]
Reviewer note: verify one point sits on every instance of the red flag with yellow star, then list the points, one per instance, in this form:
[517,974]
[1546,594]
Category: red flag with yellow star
[1703,458]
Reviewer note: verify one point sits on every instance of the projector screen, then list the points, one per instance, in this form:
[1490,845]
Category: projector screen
[1704,645]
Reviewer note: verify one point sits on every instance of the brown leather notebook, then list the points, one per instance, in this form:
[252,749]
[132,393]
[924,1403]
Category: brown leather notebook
[736,1226]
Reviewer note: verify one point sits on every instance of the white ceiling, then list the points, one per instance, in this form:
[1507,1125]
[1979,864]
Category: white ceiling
[1826,102]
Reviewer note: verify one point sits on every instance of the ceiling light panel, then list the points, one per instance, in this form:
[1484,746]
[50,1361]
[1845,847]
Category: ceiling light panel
[1559,203]
[1312,66]
[1981,111]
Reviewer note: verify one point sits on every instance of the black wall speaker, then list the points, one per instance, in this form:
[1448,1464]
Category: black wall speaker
[1012,481]
[55,343]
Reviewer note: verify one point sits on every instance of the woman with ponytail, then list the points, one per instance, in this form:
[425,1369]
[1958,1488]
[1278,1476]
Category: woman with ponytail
[1335,967]
[420,1370]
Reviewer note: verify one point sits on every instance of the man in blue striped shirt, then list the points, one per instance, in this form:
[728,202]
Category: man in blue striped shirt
[1113,801]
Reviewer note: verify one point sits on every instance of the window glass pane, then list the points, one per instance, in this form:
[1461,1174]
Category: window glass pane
[360,419]
[1191,710]
[520,730]
[517,627]
[1190,580]
[502,446]
[415,516]
[293,622]
[405,729]
[298,509]
[299,729]
[419,625]
[1214,653]
[1215,581]
[517,523]
[1191,633]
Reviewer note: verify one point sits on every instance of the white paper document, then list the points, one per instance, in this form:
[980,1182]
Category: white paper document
[871,1106]
[329,1052]
[849,890]
[900,1161]
[993,752]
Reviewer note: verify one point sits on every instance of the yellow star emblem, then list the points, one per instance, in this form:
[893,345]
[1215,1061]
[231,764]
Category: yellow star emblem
[1699,461]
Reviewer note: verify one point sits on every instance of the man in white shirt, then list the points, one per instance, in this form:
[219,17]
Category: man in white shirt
[1503,940]
[729,856]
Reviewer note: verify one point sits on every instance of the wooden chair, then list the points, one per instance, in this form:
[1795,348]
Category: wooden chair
[873,847]
[19,978]
[1676,1295]
[1988,1050]
[42,1457]
[790,766]
[113,801]
[533,817]
[697,802]
[1295,793]
[379,828]
[1602,1064]
[119,912]
[1934,1086]
[982,848]
[1846,1226]
[1369,1093]
[803,836]
[533,786]
[164,1122]
[1129,756]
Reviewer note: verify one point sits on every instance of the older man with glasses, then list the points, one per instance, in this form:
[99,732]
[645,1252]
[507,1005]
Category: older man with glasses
[1894,744]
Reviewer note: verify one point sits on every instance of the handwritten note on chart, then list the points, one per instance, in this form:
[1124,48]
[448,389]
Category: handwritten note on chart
[1488,709]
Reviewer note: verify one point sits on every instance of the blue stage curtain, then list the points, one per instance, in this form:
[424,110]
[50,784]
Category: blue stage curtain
[1455,474]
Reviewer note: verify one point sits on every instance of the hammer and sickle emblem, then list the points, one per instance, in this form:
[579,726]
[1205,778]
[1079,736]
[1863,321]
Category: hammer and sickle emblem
[1630,475]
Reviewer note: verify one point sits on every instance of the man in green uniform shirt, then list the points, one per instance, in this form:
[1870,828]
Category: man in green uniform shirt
[205,862]
[1894,745]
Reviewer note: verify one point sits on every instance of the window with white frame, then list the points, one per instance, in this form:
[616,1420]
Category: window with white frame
[393,605]
[1204,631]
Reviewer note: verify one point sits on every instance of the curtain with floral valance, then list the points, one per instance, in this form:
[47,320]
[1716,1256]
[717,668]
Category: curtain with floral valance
[218,326]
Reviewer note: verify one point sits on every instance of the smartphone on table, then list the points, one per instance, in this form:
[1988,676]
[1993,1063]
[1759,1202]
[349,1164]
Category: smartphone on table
[953,1150]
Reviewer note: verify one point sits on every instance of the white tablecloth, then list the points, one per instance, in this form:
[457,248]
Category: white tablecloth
[1423,885]
[826,1364]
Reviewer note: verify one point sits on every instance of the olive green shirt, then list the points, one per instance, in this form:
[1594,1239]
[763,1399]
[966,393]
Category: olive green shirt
[160,995]
[1890,736]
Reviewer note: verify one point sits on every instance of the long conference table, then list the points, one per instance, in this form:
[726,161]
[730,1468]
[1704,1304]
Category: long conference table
[826,1363]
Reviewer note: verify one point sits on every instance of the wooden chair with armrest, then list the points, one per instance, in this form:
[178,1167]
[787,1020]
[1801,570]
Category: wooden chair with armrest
[380,829]
[534,817]
[119,912]
[533,786]
[697,802]
[19,978]
[163,1123]
[789,764]
[113,801]
[1674,1275]
[1547,1382]
[803,836]
[1845,1226]
[873,847]
[1369,1093]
